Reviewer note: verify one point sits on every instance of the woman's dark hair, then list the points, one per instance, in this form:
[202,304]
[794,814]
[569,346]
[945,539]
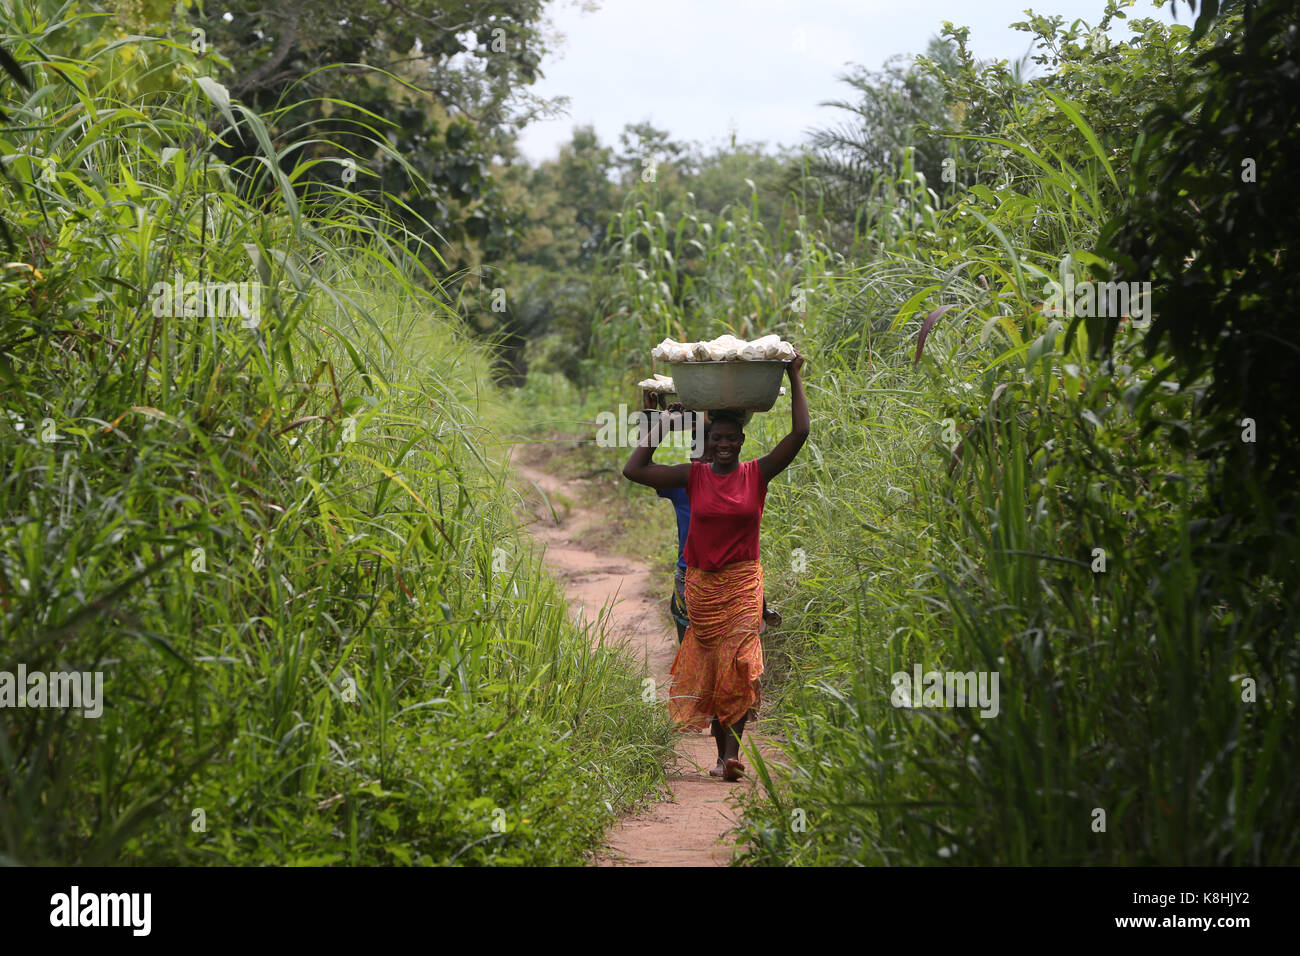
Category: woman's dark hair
[726,415]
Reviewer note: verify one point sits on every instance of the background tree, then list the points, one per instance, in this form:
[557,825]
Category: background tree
[644,147]
[1207,223]
[897,108]
[445,81]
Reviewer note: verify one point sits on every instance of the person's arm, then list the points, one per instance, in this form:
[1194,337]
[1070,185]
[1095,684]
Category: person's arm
[776,461]
[643,471]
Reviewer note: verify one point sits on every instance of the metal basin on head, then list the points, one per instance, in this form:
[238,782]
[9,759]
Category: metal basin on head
[744,386]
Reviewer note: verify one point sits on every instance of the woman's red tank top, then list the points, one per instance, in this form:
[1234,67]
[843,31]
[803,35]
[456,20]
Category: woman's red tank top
[726,513]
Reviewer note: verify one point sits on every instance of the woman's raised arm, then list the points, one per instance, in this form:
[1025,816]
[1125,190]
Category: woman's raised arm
[775,461]
[643,471]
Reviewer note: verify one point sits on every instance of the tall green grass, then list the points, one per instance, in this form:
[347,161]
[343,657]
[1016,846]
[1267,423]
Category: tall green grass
[1120,690]
[281,545]
[954,516]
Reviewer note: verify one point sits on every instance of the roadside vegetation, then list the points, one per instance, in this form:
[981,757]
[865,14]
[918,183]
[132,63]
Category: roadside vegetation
[289,540]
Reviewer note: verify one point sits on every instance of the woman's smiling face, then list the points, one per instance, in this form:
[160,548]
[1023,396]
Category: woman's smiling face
[725,440]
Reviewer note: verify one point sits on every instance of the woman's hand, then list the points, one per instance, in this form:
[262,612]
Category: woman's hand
[674,415]
[795,368]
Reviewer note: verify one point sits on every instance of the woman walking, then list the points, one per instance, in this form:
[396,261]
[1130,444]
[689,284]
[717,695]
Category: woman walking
[717,671]
[682,508]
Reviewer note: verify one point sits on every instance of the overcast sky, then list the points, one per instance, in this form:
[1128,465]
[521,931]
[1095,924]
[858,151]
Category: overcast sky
[695,67]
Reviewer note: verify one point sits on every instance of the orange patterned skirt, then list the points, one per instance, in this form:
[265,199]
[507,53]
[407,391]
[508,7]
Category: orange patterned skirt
[717,669]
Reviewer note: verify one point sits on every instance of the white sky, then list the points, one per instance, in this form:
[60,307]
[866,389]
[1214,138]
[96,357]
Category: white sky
[694,67]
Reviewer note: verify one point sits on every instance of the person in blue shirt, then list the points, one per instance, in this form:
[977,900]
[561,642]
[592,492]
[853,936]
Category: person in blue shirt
[677,603]
[682,506]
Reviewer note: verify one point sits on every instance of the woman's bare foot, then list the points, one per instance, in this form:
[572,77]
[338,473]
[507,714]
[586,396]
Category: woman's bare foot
[719,770]
[732,770]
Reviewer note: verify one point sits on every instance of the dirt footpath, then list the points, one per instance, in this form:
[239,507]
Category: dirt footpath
[690,830]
